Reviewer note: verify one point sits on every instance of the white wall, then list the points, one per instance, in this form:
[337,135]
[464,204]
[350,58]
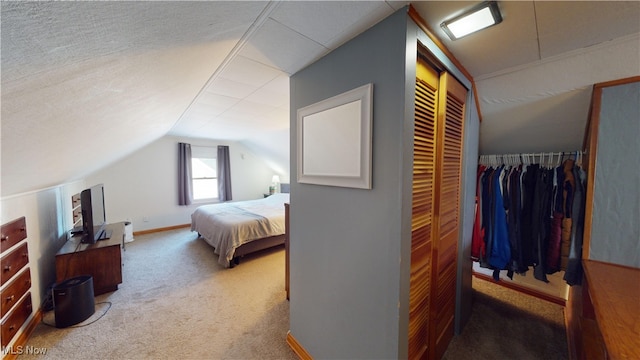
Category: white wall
[142,188]
[48,216]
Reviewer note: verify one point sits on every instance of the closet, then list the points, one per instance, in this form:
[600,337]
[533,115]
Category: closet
[598,216]
[437,161]
[529,220]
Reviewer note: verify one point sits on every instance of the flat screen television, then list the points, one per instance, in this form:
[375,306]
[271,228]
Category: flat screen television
[94,218]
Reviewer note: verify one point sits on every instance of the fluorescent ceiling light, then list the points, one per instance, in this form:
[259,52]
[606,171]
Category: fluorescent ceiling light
[480,17]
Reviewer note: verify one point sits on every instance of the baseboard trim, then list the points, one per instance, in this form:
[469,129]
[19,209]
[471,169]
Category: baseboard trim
[297,348]
[151,231]
[522,289]
[21,340]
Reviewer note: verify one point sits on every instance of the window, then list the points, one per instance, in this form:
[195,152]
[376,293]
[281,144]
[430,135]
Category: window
[204,173]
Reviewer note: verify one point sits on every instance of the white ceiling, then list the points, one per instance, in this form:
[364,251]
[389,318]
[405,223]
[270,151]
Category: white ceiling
[534,71]
[87,83]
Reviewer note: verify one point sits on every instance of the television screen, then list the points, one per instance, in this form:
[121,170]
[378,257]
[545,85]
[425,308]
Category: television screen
[93,214]
[97,206]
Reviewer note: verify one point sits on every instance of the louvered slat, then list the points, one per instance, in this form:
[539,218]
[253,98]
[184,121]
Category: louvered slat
[422,212]
[447,204]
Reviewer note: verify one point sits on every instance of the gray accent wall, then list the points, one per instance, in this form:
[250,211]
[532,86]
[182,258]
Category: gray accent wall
[464,292]
[345,243]
[615,232]
[350,248]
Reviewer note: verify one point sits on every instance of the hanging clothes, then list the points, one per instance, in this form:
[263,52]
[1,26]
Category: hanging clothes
[568,194]
[541,222]
[530,215]
[527,238]
[514,212]
[500,250]
[573,273]
[477,240]
[554,249]
[487,212]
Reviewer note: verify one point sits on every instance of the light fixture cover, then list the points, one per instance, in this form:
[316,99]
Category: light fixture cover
[479,17]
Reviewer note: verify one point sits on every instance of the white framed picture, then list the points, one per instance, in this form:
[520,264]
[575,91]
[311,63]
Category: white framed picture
[334,140]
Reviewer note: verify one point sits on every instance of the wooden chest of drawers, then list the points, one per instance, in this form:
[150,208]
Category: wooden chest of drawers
[14,291]
[15,276]
[13,262]
[13,233]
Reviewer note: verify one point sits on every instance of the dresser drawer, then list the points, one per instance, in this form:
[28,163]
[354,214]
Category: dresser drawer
[12,233]
[13,262]
[15,319]
[14,291]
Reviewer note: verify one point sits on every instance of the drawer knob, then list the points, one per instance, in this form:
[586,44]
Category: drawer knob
[5,237]
[7,268]
[10,298]
[12,327]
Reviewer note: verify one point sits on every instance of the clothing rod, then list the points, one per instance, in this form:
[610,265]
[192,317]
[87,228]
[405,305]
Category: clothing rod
[542,153]
[546,158]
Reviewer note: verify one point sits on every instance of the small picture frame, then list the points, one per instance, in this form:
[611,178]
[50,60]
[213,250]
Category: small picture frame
[334,140]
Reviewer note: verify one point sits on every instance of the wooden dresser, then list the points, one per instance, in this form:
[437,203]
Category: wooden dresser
[612,308]
[102,260]
[16,279]
[603,315]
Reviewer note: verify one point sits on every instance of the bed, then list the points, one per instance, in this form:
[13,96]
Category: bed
[235,229]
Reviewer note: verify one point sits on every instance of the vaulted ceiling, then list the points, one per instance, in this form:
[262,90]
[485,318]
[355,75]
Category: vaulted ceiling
[86,83]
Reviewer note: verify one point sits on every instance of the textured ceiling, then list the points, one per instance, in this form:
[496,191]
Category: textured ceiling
[248,97]
[87,83]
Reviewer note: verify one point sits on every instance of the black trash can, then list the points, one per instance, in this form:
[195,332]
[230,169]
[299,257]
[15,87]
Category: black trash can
[73,300]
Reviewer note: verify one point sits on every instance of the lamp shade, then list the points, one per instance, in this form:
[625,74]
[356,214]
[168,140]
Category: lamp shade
[275,179]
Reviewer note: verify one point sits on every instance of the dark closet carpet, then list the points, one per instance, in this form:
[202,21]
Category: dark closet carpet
[506,324]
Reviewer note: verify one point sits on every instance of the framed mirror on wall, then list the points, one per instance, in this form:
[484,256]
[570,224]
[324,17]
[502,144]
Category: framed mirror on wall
[334,140]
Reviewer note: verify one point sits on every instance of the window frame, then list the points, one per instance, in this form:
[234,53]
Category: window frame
[203,152]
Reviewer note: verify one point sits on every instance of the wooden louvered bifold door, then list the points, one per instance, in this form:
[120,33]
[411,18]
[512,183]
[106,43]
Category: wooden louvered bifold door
[424,151]
[447,211]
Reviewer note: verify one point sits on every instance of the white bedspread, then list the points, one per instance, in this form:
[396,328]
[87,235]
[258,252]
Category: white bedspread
[226,226]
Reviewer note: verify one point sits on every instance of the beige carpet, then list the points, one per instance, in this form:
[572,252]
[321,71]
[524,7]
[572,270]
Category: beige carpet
[177,302]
